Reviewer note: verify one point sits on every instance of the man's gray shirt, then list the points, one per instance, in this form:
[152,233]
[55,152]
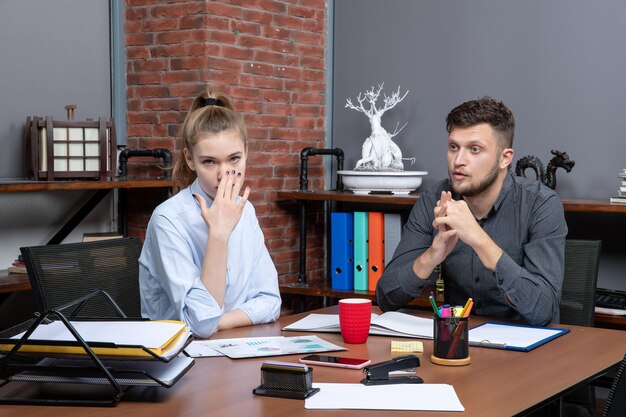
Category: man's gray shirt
[527,222]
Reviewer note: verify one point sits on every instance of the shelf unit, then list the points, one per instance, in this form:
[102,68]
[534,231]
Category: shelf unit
[303,197]
[20,282]
[570,205]
[101,189]
[13,282]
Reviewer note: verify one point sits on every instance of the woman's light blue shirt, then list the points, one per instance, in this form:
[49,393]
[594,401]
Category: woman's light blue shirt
[171,261]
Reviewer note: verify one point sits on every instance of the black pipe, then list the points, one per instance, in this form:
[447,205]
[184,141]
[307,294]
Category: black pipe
[164,154]
[304,182]
[304,158]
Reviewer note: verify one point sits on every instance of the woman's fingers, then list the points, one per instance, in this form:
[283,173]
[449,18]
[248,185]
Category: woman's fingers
[222,187]
[244,198]
[232,185]
[237,184]
[201,202]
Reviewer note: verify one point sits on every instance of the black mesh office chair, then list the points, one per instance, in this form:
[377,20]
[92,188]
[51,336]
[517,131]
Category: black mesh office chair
[578,297]
[62,273]
[577,307]
[616,402]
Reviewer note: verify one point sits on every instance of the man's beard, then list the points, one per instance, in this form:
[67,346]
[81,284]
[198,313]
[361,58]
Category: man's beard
[474,190]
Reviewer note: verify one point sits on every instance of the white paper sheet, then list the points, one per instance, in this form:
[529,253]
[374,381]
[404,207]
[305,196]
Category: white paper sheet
[391,323]
[423,397]
[151,334]
[201,349]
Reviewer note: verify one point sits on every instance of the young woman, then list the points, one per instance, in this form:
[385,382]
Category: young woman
[204,259]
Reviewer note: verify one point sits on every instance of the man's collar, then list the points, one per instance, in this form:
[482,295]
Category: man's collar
[507,186]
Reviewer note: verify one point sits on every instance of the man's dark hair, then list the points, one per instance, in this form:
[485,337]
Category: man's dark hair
[484,110]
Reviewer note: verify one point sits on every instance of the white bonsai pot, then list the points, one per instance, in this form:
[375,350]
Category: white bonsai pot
[396,182]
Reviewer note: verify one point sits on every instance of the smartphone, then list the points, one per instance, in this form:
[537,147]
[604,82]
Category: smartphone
[352,363]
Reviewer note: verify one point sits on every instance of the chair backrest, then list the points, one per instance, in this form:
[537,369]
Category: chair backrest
[615,405]
[578,296]
[63,273]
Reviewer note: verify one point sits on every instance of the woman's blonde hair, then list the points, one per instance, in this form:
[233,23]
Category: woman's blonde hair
[209,114]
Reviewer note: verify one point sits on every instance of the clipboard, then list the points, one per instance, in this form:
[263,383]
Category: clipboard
[508,336]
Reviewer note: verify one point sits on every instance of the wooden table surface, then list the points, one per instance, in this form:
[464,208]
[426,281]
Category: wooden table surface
[496,383]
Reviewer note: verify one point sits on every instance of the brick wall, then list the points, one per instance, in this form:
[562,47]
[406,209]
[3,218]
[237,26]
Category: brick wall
[269,57]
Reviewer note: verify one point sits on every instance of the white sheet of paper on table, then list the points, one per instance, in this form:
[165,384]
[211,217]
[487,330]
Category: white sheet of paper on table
[424,397]
[201,349]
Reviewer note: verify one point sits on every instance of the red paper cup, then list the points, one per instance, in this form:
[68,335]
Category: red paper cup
[355,315]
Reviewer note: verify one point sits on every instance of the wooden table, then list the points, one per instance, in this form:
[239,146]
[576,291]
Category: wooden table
[496,383]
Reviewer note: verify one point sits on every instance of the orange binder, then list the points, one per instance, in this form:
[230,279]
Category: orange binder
[376,248]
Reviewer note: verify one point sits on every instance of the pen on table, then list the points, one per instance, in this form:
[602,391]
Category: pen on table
[488,344]
[432,302]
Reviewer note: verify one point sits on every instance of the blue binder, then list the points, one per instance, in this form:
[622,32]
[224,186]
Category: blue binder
[360,251]
[342,251]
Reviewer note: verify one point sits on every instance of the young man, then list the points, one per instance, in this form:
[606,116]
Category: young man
[499,238]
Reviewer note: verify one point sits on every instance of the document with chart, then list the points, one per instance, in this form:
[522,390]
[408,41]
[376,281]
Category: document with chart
[250,347]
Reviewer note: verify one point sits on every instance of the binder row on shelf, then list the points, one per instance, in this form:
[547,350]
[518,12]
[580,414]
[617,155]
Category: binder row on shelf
[362,243]
[121,352]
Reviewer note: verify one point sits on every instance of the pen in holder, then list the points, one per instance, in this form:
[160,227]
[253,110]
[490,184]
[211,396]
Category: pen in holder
[286,380]
[450,341]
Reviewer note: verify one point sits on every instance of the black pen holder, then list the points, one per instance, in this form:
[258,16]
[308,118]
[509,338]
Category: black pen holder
[450,341]
[286,382]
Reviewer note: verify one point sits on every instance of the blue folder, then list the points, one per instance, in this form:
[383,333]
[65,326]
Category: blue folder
[513,336]
[342,250]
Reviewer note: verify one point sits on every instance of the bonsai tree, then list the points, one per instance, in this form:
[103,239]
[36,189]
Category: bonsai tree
[379,152]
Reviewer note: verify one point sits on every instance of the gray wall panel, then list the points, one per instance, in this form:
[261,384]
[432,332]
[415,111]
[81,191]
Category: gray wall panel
[52,53]
[558,65]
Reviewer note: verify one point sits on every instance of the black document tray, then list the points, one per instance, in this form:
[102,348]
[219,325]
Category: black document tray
[92,370]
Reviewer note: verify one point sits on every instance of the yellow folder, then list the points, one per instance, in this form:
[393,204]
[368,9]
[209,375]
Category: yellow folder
[163,338]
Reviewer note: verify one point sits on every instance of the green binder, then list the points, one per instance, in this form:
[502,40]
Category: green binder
[360,250]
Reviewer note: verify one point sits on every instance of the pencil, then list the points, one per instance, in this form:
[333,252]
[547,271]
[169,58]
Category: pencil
[466,306]
[432,303]
[457,335]
[469,308]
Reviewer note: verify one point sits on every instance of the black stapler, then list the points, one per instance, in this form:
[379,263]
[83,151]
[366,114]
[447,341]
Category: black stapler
[378,373]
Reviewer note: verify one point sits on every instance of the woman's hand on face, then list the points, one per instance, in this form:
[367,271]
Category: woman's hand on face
[225,212]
